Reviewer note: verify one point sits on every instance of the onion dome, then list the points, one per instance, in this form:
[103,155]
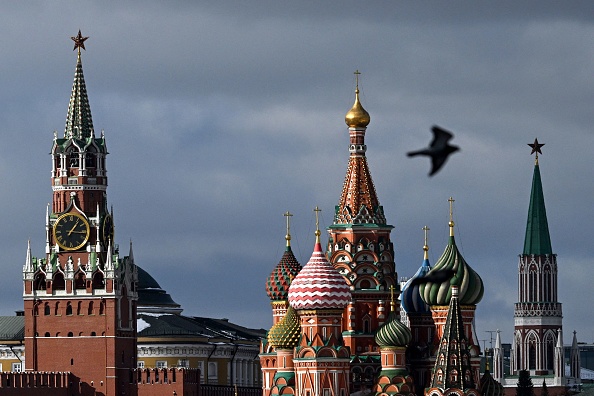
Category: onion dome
[488,385]
[393,333]
[411,296]
[451,270]
[285,334]
[357,116]
[277,284]
[319,285]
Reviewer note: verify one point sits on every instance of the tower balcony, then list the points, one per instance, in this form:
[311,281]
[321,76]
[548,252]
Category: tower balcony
[527,309]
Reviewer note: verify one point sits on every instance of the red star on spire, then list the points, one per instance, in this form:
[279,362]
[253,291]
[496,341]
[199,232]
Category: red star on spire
[535,147]
[79,41]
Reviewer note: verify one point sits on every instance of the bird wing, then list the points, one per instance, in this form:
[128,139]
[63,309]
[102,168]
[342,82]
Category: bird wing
[437,162]
[440,137]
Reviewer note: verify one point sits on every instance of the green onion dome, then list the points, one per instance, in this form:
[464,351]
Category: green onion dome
[489,386]
[439,292]
[393,333]
[285,334]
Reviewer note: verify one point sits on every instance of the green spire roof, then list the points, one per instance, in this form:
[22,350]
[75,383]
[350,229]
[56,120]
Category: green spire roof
[538,240]
[79,123]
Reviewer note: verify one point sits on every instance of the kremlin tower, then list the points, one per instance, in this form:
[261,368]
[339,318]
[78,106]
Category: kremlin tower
[80,299]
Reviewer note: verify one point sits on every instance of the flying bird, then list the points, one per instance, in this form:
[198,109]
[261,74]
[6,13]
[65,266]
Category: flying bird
[438,276]
[438,150]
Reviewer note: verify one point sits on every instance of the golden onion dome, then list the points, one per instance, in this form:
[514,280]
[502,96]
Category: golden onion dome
[357,116]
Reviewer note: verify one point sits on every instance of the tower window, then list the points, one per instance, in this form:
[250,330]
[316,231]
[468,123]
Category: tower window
[69,309]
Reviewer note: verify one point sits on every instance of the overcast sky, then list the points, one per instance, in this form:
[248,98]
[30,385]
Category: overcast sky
[220,117]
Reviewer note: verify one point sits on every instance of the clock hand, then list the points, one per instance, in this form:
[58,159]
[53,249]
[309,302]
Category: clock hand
[73,227]
[77,232]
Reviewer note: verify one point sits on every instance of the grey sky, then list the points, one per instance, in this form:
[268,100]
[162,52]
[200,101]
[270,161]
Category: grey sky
[220,117]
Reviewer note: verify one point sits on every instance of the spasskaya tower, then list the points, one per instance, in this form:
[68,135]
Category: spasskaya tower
[80,298]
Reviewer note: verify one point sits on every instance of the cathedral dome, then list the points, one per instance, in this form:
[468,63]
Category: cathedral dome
[489,386]
[319,285]
[411,296]
[393,333]
[357,116]
[277,284]
[152,298]
[468,281]
[285,334]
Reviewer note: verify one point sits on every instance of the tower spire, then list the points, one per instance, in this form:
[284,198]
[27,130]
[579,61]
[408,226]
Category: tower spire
[538,239]
[79,122]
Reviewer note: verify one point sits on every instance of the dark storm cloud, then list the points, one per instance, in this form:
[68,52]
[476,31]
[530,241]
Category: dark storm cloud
[220,117]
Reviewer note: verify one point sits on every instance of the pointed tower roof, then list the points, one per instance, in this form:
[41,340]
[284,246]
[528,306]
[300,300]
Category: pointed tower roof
[455,372]
[79,123]
[358,203]
[537,240]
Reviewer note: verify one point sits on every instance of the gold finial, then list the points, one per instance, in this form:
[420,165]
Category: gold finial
[79,42]
[536,149]
[318,233]
[451,223]
[357,116]
[288,215]
[426,246]
[392,303]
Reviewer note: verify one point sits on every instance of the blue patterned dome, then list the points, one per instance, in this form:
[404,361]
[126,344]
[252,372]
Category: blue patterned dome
[411,296]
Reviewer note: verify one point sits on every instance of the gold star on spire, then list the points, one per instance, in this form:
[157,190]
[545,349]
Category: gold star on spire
[536,149]
[79,42]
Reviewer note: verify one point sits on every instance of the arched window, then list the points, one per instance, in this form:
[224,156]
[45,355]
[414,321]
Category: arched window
[68,309]
[98,282]
[39,283]
[46,309]
[58,283]
[47,334]
[102,307]
[80,281]
[57,309]
[90,311]
[79,308]
[70,334]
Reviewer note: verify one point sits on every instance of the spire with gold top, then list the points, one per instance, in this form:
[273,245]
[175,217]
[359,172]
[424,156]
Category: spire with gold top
[79,122]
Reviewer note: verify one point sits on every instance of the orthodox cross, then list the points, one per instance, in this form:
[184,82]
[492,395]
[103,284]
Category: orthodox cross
[426,246]
[451,224]
[392,304]
[318,233]
[288,215]
[357,73]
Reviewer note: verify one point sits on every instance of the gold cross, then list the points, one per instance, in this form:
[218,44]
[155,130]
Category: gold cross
[392,304]
[288,215]
[357,72]
[318,233]
[451,201]
[426,245]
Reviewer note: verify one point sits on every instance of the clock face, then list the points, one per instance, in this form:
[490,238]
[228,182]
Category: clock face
[107,230]
[71,231]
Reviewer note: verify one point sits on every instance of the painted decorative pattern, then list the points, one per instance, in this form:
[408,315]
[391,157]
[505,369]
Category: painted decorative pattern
[277,284]
[411,295]
[468,281]
[285,334]
[393,333]
[319,285]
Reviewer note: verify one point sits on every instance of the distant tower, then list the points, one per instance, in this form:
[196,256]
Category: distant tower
[421,324]
[359,245]
[538,316]
[80,300]
[320,294]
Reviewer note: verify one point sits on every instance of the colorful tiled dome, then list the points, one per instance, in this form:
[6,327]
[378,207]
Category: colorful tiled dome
[319,285]
[277,284]
[285,334]
[468,281]
[393,333]
[411,296]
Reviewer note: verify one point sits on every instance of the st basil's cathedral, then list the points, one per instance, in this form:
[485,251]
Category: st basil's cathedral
[342,323]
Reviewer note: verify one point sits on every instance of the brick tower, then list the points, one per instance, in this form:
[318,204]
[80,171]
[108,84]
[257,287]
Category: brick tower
[80,299]
[359,247]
